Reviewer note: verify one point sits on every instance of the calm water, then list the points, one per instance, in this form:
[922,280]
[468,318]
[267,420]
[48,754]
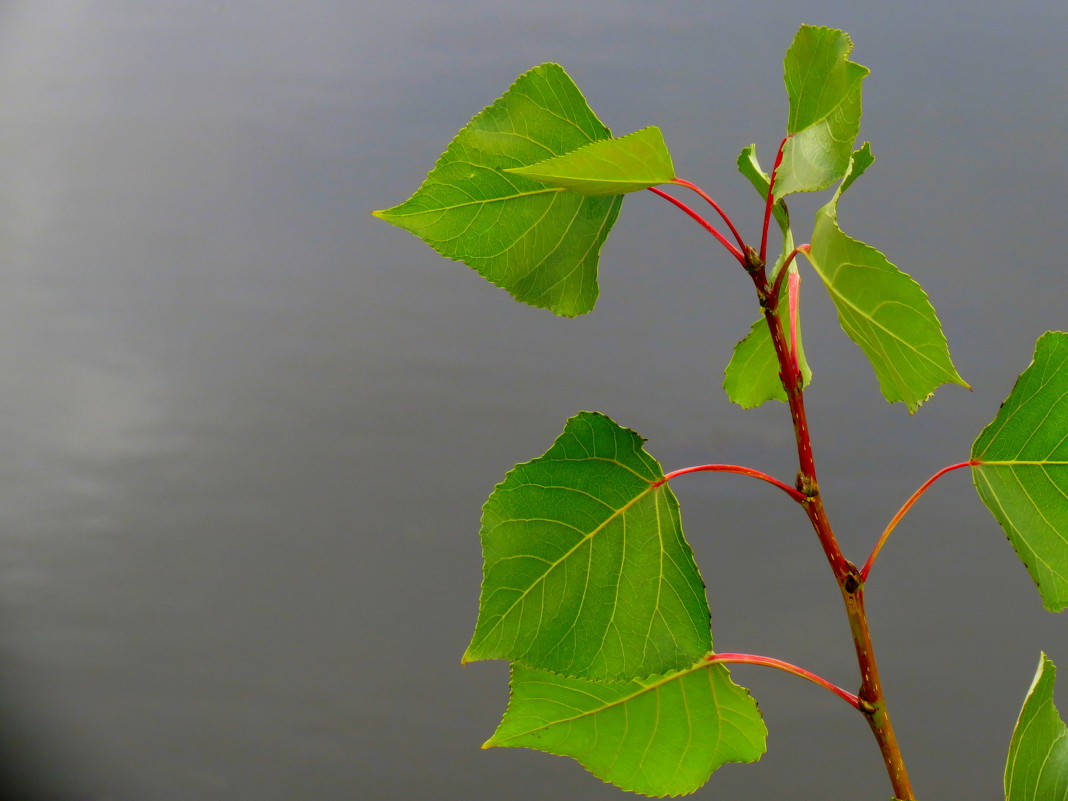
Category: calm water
[247,429]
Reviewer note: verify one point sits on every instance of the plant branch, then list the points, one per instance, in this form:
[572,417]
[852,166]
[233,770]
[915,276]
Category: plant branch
[702,222]
[716,206]
[733,468]
[848,577]
[767,661]
[903,511]
[770,203]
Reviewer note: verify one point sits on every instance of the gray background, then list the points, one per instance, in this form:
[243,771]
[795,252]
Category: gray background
[246,428]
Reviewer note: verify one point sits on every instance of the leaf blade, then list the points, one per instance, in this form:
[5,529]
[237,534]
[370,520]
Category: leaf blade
[1037,765]
[586,570]
[1021,470]
[608,166]
[664,735]
[882,309]
[539,243]
[824,89]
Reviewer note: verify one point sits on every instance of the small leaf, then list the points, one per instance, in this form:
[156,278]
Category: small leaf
[1022,475]
[1037,767]
[752,376]
[587,572]
[881,308]
[540,243]
[824,89]
[663,735]
[609,166]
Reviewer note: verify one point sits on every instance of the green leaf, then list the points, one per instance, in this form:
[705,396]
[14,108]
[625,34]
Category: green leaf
[663,735]
[752,376]
[881,308]
[609,166]
[824,88]
[1022,470]
[1037,767]
[587,572]
[540,243]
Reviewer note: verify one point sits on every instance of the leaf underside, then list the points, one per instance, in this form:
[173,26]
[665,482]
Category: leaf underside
[608,166]
[824,90]
[663,735]
[540,243]
[587,572]
[1037,765]
[1022,475]
[881,308]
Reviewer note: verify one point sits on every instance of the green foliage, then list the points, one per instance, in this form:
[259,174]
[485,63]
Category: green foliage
[587,572]
[589,586]
[1037,767]
[881,308]
[1022,470]
[608,166]
[662,735]
[538,242]
[824,88]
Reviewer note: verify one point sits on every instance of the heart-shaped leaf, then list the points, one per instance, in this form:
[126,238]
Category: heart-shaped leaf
[663,735]
[881,308]
[824,89]
[1037,767]
[608,166]
[1021,468]
[587,572]
[540,243]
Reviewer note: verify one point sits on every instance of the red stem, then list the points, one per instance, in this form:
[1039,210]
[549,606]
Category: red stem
[770,202]
[767,661]
[715,205]
[903,511]
[702,222]
[733,468]
[793,300]
[777,286]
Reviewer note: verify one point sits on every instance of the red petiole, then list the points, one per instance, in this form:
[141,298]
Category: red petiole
[903,511]
[767,661]
[733,468]
[702,222]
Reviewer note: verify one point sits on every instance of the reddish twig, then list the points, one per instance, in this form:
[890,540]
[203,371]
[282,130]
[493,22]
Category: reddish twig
[733,468]
[903,511]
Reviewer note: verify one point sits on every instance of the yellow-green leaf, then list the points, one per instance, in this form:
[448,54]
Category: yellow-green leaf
[608,166]
[662,735]
[1021,470]
[540,243]
[586,571]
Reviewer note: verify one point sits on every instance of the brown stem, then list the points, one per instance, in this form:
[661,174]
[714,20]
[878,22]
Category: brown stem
[845,572]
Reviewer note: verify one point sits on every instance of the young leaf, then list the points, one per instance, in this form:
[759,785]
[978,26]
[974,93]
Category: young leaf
[1037,767]
[663,735]
[587,572]
[1022,470]
[881,308]
[608,166]
[824,88]
[538,242]
[752,376]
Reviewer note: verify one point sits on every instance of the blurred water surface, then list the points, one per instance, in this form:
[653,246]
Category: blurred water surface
[246,429]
